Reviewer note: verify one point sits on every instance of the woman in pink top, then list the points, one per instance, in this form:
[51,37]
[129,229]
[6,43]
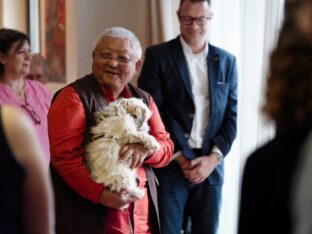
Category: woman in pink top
[30,96]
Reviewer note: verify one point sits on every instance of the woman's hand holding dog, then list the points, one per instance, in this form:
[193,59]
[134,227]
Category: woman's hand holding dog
[136,153]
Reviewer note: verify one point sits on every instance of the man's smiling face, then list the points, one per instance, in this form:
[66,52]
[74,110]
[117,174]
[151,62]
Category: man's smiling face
[114,64]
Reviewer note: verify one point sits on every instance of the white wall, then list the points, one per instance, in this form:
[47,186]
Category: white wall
[14,15]
[95,16]
[226,32]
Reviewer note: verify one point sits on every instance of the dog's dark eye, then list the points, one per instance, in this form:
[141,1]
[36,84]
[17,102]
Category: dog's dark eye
[134,116]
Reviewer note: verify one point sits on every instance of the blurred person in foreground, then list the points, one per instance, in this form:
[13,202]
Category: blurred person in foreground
[26,197]
[266,199]
[39,69]
[302,185]
[194,85]
[83,206]
[32,97]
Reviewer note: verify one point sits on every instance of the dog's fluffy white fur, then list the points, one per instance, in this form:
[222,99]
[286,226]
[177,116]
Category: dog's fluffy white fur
[122,122]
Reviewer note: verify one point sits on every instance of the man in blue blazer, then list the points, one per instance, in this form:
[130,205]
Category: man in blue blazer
[194,85]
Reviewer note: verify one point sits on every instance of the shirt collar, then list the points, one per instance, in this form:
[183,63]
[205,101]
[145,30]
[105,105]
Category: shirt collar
[109,94]
[188,50]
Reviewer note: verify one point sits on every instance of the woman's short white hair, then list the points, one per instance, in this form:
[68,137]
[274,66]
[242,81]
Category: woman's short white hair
[119,32]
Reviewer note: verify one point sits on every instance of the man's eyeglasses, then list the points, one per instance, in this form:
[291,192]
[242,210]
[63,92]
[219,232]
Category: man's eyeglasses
[122,59]
[35,117]
[188,20]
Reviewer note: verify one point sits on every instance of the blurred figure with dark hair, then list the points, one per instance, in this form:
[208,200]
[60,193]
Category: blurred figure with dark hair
[32,97]
[39,69]
[26,198]
[269,171]
[302,185]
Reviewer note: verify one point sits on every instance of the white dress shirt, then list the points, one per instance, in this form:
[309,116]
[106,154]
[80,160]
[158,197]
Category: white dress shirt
[198,74]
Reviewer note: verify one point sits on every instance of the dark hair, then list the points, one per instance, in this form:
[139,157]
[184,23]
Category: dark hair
[9,37]
[291,8]
[289,84]
[194,1]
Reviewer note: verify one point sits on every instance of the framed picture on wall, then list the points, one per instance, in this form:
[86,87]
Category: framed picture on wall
[50,36]
[53,37]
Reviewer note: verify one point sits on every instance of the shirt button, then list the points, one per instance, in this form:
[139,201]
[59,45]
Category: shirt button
[191,115]
[186,135]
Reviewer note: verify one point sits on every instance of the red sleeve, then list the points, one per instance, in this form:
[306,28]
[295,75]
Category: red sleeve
[66,124]
[162,156]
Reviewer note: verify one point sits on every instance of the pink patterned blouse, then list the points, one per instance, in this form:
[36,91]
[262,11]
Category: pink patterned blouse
[36,106]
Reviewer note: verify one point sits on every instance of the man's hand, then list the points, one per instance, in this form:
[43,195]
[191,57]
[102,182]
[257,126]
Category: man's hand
[183,161]
[200,168]
[116,200]
[136,153]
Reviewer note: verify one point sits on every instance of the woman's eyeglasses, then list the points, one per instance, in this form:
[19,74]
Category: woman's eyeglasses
[35,117]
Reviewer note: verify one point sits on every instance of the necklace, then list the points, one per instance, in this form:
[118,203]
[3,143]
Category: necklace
[21,93]
[18,92]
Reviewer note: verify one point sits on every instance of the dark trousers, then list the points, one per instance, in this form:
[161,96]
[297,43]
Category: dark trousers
[176,193]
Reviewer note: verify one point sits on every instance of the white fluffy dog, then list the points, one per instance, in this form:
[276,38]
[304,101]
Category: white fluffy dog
[122,122]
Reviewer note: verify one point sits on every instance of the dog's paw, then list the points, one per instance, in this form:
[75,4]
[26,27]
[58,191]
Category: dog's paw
[137,193]
[151,143]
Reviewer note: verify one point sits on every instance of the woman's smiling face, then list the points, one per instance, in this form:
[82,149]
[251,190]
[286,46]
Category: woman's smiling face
[17,60]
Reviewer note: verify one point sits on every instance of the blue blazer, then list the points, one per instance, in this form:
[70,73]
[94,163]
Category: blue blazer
[165,76]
